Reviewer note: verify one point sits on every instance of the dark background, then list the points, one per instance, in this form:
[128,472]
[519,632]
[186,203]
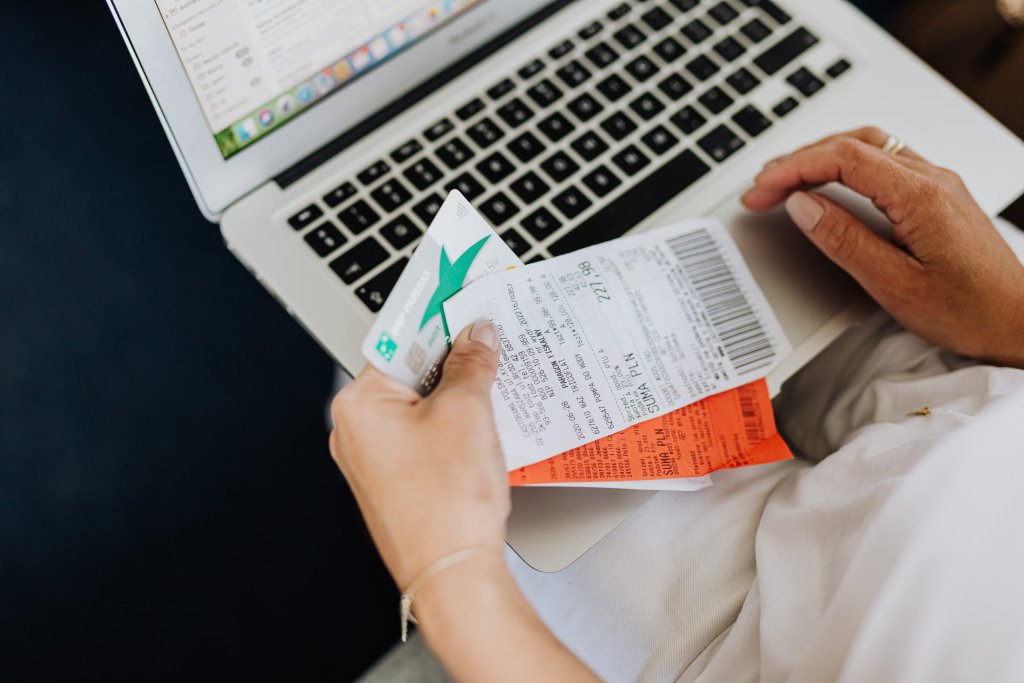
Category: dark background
[168,508]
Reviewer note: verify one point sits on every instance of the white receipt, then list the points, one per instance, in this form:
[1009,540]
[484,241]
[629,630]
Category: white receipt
[619,333]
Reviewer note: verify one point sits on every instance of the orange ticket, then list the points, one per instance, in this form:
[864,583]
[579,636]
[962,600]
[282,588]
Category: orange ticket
[732,429]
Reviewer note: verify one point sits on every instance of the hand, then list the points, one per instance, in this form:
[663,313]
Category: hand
[946,275]
[427,474]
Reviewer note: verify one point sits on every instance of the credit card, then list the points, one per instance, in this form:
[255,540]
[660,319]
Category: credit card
[410,338]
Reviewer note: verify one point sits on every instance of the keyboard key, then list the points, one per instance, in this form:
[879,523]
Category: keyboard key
[647,106]
[807,83]
[339,195]
[838,69]
[324,239]
[785,106]
[485,133]
[756,30]
[401,232]
[590,146]
[390,195]
[515,112]
[516,242]
[631,160]
[635,204]
[530,187]
[454,153]
[375,292]
[670,49]
[406,151]
[697,31]
[495,167]
[468,185]
[499,90]
[422,174]
[374,173]
[358,216]
[618,11]
[752,121]
[556,127]
[531,69]
[785,51]
[618,125]
[723,13]
[720,143]
[571,203]
[702,67]
[771,9]
[729,49]
[675,86]
[613,87]
[499,209]
[689,120]
[573,74]
[428,208]
[590,30]
[660,140]
[602,55]
[684,5]
[629,36]
[359,260]
[545,93]
[536,258]
[585,107]
[438,130]
[657,18]
[541,223]
[743,81]
[526,147]
[559,166]
[601,181]
[561,50]
[470,109]
[715,100]
[641,68]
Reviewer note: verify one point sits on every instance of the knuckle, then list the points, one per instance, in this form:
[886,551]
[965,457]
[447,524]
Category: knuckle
[841,240]
[468,361]
[850,148]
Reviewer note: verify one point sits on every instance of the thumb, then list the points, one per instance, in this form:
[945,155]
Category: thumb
[473,361]
[872,260]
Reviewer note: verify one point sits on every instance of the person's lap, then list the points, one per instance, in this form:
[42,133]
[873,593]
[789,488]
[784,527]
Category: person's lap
[725,583]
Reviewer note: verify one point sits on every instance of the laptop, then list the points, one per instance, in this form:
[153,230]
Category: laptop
[322,136]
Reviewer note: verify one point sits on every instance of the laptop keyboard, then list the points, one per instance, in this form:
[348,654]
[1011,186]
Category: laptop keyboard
[579,144]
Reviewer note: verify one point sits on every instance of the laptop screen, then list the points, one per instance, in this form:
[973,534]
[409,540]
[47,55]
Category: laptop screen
[256,64]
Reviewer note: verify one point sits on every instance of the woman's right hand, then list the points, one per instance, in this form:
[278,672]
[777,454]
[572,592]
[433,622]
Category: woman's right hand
[946,275]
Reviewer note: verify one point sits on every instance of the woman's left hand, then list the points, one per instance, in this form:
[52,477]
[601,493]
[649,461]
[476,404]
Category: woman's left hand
[427,473]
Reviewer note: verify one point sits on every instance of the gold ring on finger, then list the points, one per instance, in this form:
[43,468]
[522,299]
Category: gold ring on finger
[893,146]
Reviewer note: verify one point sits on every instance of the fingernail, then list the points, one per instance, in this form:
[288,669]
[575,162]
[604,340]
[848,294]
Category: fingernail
[748,194]
[485,333]
[805,211]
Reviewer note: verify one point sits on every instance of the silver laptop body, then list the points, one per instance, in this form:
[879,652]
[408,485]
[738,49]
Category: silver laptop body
[321,136]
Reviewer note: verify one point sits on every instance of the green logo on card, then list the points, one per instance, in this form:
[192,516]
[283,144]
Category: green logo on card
[386,347]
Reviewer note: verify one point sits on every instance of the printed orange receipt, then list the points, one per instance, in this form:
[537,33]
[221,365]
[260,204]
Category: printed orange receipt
[732,429]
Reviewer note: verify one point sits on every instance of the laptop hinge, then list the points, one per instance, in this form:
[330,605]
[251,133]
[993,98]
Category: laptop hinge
[317,158]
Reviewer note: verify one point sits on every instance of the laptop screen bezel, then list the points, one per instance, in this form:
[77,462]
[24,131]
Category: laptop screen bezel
[217,182]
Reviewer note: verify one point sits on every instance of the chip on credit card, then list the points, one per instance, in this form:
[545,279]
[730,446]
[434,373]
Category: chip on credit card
[410,338]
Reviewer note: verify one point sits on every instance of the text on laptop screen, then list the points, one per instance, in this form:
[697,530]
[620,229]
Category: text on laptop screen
[255,64]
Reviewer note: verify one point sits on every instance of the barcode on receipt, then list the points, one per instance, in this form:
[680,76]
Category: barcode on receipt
[739,330]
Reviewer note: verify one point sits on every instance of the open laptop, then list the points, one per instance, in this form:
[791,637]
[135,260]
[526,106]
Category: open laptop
[323,134]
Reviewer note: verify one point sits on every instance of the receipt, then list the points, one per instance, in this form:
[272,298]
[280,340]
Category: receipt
[728,430]
[619,333]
